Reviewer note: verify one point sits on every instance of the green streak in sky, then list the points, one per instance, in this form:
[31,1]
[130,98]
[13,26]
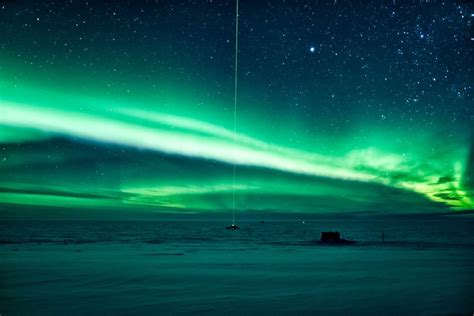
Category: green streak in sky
[31,114]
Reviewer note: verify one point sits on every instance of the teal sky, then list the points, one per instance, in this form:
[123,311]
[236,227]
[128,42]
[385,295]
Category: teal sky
[123,107]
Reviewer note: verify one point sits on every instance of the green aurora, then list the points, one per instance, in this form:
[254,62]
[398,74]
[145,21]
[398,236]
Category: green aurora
[127,122]
[269,176]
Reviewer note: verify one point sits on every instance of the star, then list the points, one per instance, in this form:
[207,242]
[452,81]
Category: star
[312,49]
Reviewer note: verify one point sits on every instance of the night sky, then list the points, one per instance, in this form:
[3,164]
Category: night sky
[343,106]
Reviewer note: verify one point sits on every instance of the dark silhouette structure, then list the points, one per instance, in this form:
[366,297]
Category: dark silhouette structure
[233,227]
[334,238]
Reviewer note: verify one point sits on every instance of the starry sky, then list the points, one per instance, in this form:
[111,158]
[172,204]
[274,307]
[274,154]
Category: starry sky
[343,106]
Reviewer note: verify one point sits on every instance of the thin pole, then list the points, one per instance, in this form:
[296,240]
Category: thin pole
[236,64]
